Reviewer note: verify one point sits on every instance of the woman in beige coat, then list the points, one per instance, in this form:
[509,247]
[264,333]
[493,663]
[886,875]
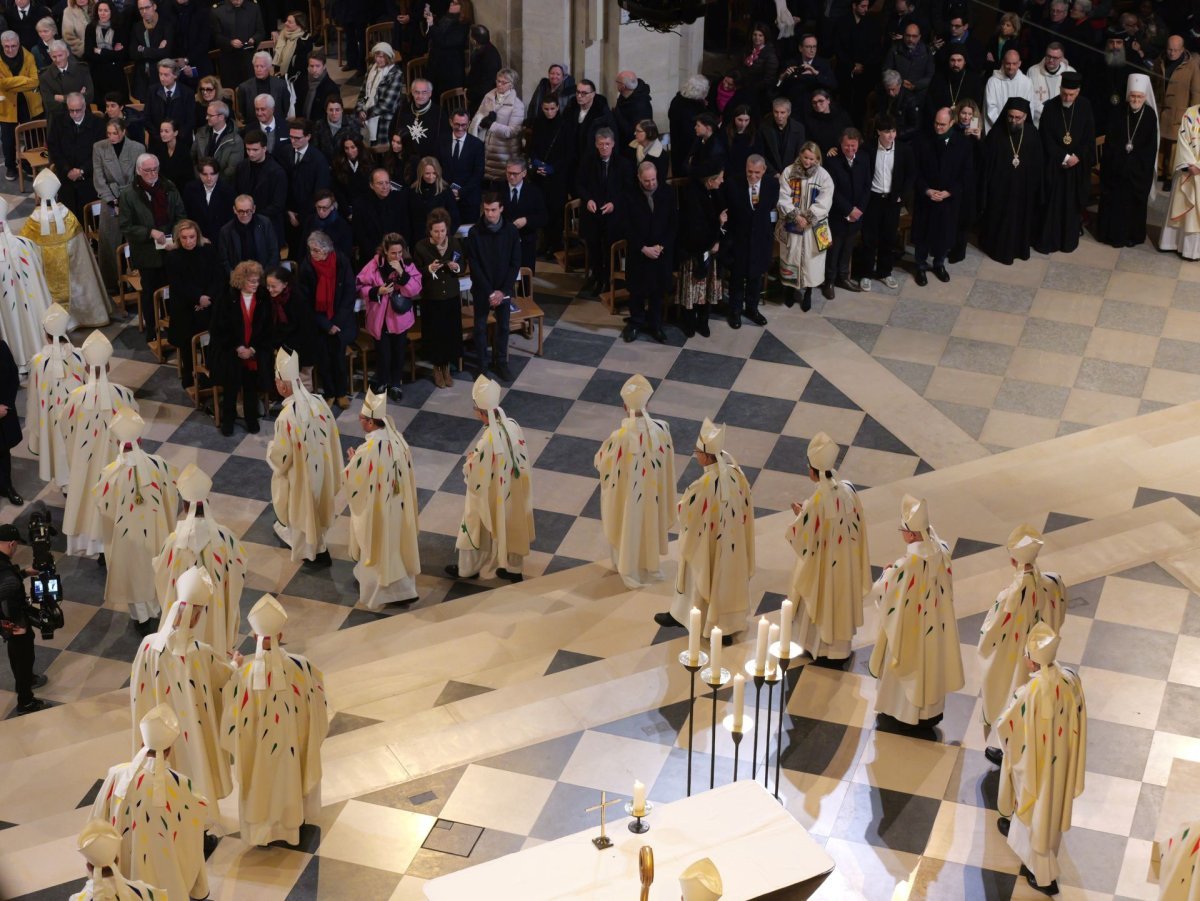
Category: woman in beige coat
[498,123]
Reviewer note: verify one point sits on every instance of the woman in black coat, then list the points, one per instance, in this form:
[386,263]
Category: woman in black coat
[691,100]
[241,346]
[549,162]
[701,217]
[292,320]
[327,277]
[174,151]
[194,280]
[352,165]
[430,192]
[106,63]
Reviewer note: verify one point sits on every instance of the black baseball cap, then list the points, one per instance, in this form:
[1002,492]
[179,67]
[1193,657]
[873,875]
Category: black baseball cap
[9,532]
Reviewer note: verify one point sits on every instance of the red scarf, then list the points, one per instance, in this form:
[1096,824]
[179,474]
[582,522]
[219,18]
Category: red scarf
[279,306]
[160,209]
[248,326]
[326,270]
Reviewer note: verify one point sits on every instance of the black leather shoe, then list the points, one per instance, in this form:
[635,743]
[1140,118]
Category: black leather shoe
[994,755]
[667,621]
[505,574]
[320,561]
[32,707]
[1051,889]
[629,333]
[659,335]
[252,427]
[789,297]
[15,499]
[452,572]
[395,395]
[921,278]
[756,317]
[227,428]
[806,300]
[39,680]
[1002,825]
[502,371]
[735,321]
[827,290]
[942,274]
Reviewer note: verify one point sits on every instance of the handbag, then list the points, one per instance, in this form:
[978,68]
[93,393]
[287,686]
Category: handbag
[823,235]
[400,303]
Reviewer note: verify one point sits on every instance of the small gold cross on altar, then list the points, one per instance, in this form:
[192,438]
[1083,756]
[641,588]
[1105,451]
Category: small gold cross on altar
[602,841]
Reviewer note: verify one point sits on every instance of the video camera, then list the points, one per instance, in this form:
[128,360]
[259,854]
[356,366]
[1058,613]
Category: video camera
[45,589]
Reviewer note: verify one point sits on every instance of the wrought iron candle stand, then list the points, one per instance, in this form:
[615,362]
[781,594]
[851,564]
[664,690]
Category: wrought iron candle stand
[737,734]
[714,680]
[637,826]
[786,652]
[771,677]
[692,667]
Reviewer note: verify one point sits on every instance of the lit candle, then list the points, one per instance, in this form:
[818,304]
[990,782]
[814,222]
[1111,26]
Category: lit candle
[714,655]
[773,637]
[694,637]
[785,622]
[739,701]
[760,648]
[639,798]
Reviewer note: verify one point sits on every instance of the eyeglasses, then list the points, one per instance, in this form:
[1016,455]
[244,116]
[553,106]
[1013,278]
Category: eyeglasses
[583,93]
[297,137]
[242,212]
[207,89]
[324,207]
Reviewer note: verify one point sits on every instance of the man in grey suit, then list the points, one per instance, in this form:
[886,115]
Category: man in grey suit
[263,82]
[65,75]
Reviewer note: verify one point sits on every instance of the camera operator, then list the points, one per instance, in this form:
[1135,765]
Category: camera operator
[19,635]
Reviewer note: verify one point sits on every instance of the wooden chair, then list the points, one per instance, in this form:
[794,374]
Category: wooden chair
[453,101]
[129,284]
[91,223]
[200,370]
[573,243]
[359,354]
[380,33]
[618,290]
[128,70]
[416,68]
[31,149]
[161,346]
[529,316]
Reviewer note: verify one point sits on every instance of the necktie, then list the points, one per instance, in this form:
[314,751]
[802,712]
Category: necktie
[515,196]
[457,147]
[754,195]
[298,155]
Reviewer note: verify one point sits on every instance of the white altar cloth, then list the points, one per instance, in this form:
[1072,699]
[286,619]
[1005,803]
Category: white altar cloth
[756,844]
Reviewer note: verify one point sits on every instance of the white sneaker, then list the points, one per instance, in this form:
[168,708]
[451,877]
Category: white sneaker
[864,284]
[891,283]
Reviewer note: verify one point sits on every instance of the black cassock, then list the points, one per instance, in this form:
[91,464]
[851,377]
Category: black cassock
[1065,191]
[1010,192]
[1127,176]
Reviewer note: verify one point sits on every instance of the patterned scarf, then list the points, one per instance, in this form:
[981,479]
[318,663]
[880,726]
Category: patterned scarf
[159,208]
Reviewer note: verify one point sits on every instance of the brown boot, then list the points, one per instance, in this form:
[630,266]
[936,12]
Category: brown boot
[447,377]
[437,377]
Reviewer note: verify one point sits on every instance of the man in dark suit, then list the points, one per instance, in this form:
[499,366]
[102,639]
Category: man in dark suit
[307,172]
[381,209]
[494,251]
[892,172]
[171,100]
[310,101]
[525,208]
[851,174]
[596,115]
[65,75]
[209,199]
[247,236]
[151,39]
[651,231]
[604,178]
[422,123]
[23,17]
[461,156]
[750,236]
[944,169]
[263,178]
[781,136]
[69,145]
[857,44]
[263,82]
[804,75]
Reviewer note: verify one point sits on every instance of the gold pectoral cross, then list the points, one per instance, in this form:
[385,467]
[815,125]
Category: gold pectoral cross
[602,841]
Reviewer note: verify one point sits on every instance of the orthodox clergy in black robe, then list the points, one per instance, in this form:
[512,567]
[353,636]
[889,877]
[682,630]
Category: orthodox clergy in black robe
[1011,185]
[1069,148]
[1127,175]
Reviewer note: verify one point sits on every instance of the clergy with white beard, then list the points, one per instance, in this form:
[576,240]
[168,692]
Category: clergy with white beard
[166,849]
[100,845]
[637,488]
[84,423]
[833,572]
[54,372]
[137,499]
[1179,871]
[199,540]
[1043,731]
[305,458]
[381,488]
[716,541]
[917,658]
[274,719]
[176,668]
[497,525]
[1031,597]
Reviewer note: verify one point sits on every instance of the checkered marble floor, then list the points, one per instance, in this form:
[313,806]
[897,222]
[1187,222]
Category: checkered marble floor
[890,808]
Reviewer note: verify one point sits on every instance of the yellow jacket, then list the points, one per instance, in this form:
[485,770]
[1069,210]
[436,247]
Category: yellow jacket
[26,82]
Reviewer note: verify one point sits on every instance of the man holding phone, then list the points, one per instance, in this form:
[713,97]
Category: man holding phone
[494,253]
[17,632]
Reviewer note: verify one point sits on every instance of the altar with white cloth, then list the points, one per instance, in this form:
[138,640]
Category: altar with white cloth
[755,843]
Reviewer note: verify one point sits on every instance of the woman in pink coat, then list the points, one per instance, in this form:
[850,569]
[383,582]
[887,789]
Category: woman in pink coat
[387,286]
